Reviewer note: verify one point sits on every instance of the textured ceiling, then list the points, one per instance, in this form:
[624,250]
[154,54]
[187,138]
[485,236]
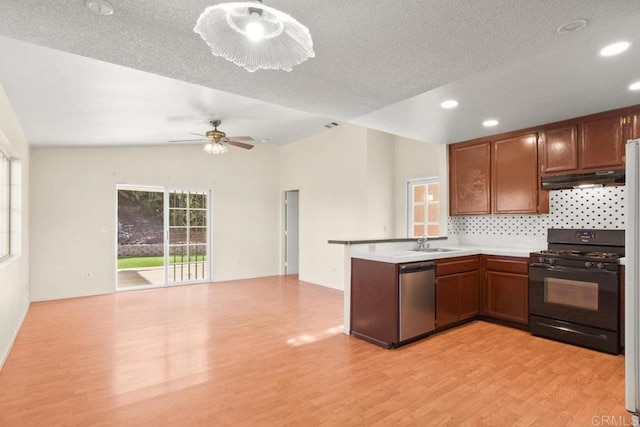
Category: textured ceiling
[382,64]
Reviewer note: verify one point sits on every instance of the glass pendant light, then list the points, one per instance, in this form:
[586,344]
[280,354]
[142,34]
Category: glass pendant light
[255,36]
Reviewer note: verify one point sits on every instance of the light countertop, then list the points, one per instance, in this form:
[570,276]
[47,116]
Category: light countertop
[396,256]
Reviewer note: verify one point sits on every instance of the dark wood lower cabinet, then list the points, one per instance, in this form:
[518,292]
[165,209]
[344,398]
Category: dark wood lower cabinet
[469,298]
[507,289]
[491,286]
[457,291]
[447,292]
[374,301]
[622,315]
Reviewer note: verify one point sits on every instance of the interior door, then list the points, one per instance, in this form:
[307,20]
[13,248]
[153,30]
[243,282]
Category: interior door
[187,236]
[292,205]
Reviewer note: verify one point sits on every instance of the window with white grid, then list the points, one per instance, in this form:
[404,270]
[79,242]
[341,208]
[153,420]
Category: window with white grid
[5,208]
[423,207]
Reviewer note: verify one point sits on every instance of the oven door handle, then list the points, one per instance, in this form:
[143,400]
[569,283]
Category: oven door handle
[540,265]
[571,269]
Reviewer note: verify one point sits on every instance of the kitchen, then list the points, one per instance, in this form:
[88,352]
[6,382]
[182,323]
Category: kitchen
[571,289]
[362,196]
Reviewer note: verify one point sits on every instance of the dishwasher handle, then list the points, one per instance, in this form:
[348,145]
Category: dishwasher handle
[416,266]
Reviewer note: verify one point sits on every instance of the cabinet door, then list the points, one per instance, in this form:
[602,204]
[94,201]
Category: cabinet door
[559,150]
[514,173]
[622,314]
[507,296]
[469,177]
[602,144]
[447,300]
[469,294]
[374,300]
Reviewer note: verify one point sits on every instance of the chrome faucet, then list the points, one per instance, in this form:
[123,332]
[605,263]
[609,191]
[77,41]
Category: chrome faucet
[422,244]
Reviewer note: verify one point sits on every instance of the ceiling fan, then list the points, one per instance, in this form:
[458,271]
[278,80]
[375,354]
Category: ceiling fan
[217,140]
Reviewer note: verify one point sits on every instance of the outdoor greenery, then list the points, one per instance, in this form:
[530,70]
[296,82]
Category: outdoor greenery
[155,261]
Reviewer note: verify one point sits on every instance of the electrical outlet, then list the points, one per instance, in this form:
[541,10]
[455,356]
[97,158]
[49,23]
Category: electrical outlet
[88,275]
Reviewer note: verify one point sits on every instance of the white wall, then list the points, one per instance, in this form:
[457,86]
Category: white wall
[330,170]
[415,159]
[351,188]
[73,197]
[380,185]
[14,272]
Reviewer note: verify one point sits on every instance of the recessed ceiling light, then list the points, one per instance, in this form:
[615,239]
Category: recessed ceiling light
[451,103]
[265,140]
[99,7]
[572,26]
[615,48]
[490,123]
[634,86]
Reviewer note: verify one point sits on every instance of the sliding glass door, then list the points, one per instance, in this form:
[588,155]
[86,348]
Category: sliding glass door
[163,236]
[187,218]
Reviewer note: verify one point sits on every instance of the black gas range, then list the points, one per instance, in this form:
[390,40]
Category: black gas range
[574,288]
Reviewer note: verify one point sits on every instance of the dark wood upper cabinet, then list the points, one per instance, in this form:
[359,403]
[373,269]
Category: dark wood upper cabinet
[559,150]
[634,126]
[514,175]
[602,143]
[469,178]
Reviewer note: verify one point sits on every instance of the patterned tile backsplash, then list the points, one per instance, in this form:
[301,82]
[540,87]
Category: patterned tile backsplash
[586,208]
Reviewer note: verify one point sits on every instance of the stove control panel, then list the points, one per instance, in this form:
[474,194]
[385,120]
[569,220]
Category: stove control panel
[585,235]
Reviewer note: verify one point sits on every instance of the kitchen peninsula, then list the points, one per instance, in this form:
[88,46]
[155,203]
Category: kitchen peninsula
[500,295]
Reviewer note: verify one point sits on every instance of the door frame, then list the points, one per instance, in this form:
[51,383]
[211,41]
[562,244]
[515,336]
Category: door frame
[165,190]
[285,231]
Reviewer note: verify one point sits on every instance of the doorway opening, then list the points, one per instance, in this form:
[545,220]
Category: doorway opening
[291,231]
[163,237]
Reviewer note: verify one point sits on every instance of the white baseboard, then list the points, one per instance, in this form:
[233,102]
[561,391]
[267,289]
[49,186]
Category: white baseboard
[5,354]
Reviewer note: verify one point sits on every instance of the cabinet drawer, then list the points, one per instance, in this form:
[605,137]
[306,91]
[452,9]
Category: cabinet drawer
[457,265]
[508,265]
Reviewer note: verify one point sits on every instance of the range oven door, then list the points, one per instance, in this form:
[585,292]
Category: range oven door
[575,306]
[586,297]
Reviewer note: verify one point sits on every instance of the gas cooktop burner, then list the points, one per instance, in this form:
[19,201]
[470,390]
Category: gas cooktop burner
[565,253]
[604,255]
[560,252]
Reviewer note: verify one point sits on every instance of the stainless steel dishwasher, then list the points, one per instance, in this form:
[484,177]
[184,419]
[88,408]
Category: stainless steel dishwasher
[417,299]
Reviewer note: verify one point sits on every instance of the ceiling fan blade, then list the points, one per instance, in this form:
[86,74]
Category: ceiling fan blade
[240,138]
[189,140]
[239,144]
[198,134]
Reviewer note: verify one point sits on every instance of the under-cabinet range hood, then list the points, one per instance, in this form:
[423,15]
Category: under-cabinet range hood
[583,180]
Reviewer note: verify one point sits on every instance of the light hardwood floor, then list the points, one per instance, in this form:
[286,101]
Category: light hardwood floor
[269,352]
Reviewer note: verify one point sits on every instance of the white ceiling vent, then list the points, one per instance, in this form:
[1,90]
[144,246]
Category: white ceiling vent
[572,26]
[331,125]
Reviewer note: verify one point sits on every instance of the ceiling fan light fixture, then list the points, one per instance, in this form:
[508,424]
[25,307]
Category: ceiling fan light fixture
[255,36]
[215,147]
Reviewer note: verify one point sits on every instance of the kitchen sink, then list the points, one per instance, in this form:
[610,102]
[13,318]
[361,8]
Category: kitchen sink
[436,250]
